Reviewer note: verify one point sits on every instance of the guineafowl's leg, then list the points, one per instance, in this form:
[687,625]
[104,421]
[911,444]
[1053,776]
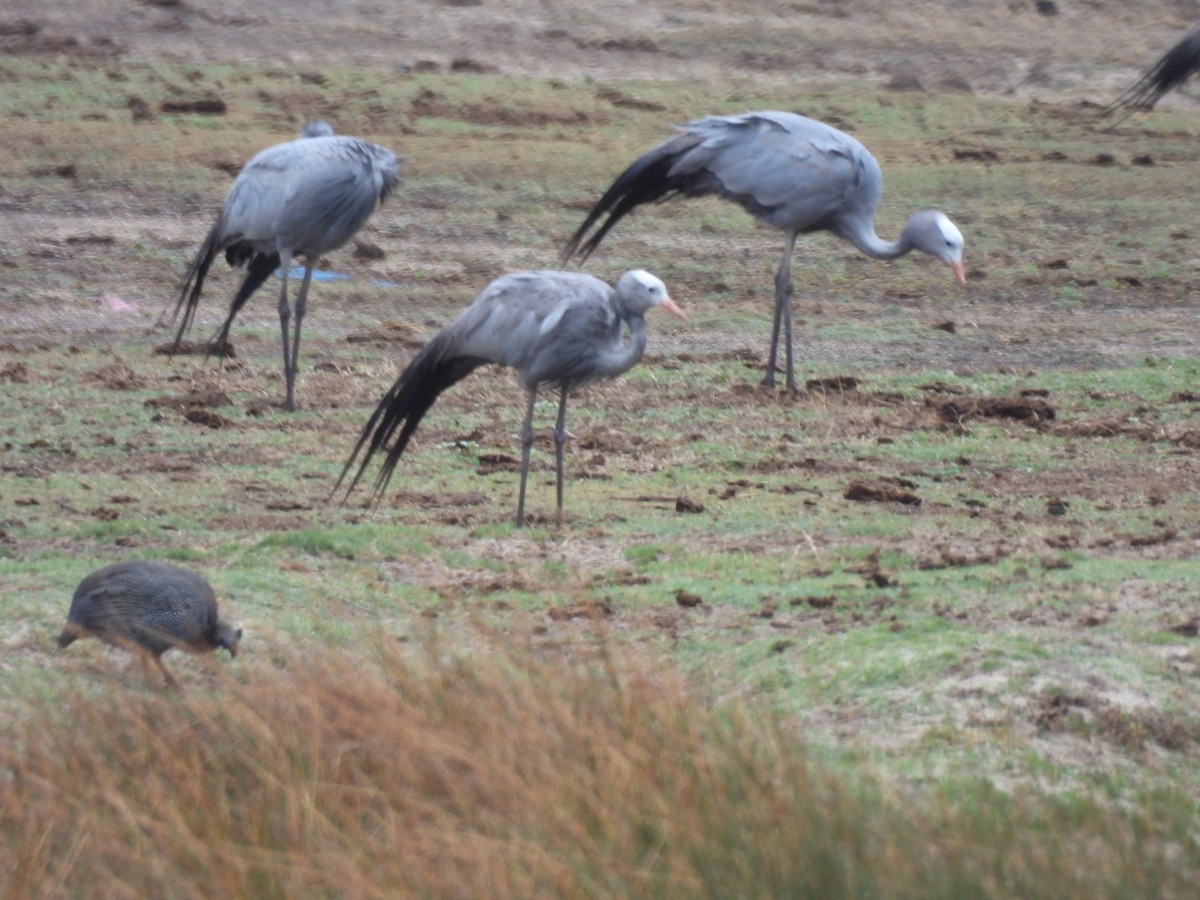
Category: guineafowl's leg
[526,444]
[291,364]
[783,314]
[172,684]
[560,435]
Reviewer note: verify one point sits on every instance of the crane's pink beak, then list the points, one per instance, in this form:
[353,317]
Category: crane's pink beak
[669,305]
[957,266]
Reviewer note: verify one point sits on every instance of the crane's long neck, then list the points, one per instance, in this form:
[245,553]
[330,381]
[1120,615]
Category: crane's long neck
[623,355]
[861,233]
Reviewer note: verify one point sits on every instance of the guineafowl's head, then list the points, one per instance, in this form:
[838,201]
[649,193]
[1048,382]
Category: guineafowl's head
[228,637]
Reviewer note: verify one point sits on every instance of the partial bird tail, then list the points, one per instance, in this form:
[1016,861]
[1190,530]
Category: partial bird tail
[400,412]
[259,268]
[646,180]
[1175,67]
[193,283]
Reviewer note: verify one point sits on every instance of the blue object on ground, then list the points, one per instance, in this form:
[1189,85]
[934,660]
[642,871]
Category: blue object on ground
[317,275]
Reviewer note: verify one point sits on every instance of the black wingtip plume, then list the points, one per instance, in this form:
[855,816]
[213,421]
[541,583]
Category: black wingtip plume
[401,410]
[193,283]
[647,179]
[259,267]
[1175,67]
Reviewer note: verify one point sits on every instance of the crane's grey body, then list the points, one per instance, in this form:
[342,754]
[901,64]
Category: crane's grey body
[305,197]
[1174,68]
[794,173]
[149,605]
[560,329]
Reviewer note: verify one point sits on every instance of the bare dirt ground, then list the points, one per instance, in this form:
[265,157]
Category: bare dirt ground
[1012,47]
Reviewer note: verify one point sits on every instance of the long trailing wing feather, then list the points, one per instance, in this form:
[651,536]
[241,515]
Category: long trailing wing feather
[401,410]
[646,180]
[193,282]
[1174,68]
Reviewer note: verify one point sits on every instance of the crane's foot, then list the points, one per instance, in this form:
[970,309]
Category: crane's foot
[221,348]
[769,383]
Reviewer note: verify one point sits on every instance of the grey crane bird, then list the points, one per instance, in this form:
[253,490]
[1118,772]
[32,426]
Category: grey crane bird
[1174,68]
[789,171]
[305,197]
[150,607]
[561,329]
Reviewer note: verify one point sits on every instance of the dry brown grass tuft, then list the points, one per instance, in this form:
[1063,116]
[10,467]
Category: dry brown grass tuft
[508,775]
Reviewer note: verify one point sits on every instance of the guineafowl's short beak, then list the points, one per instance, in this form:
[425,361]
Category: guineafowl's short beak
[957,266]
[669,305]
[229,639]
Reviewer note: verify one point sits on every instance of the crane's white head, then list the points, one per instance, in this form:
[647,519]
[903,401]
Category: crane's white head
[933,232]
[640,292]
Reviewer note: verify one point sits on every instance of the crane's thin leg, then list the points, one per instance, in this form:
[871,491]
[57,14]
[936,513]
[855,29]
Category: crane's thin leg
[560,436]
[291,365]
[526,444]
[783,314]
[790,378]
[285,314]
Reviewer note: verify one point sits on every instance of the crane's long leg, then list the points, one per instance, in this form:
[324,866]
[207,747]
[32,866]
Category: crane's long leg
[526,444]
[560,436]
[783,314]
[285,314]
[292,364]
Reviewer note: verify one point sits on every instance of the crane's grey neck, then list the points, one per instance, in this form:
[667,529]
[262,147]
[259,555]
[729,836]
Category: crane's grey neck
[624,355]
[862,235]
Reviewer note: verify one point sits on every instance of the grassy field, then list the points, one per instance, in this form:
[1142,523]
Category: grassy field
[893,638]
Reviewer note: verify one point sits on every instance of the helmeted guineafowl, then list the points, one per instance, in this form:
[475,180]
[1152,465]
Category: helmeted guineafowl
[149,606]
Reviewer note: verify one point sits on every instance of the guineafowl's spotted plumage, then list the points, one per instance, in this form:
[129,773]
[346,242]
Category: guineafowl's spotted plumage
[149,605]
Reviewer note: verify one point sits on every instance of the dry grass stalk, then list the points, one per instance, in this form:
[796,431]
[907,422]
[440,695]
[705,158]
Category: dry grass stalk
[510,775]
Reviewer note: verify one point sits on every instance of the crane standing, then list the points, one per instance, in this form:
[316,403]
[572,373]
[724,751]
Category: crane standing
[307,196]
[786,170]
[561,329]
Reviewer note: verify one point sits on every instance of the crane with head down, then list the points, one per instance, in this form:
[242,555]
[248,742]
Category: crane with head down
[788,171]
[304,197]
